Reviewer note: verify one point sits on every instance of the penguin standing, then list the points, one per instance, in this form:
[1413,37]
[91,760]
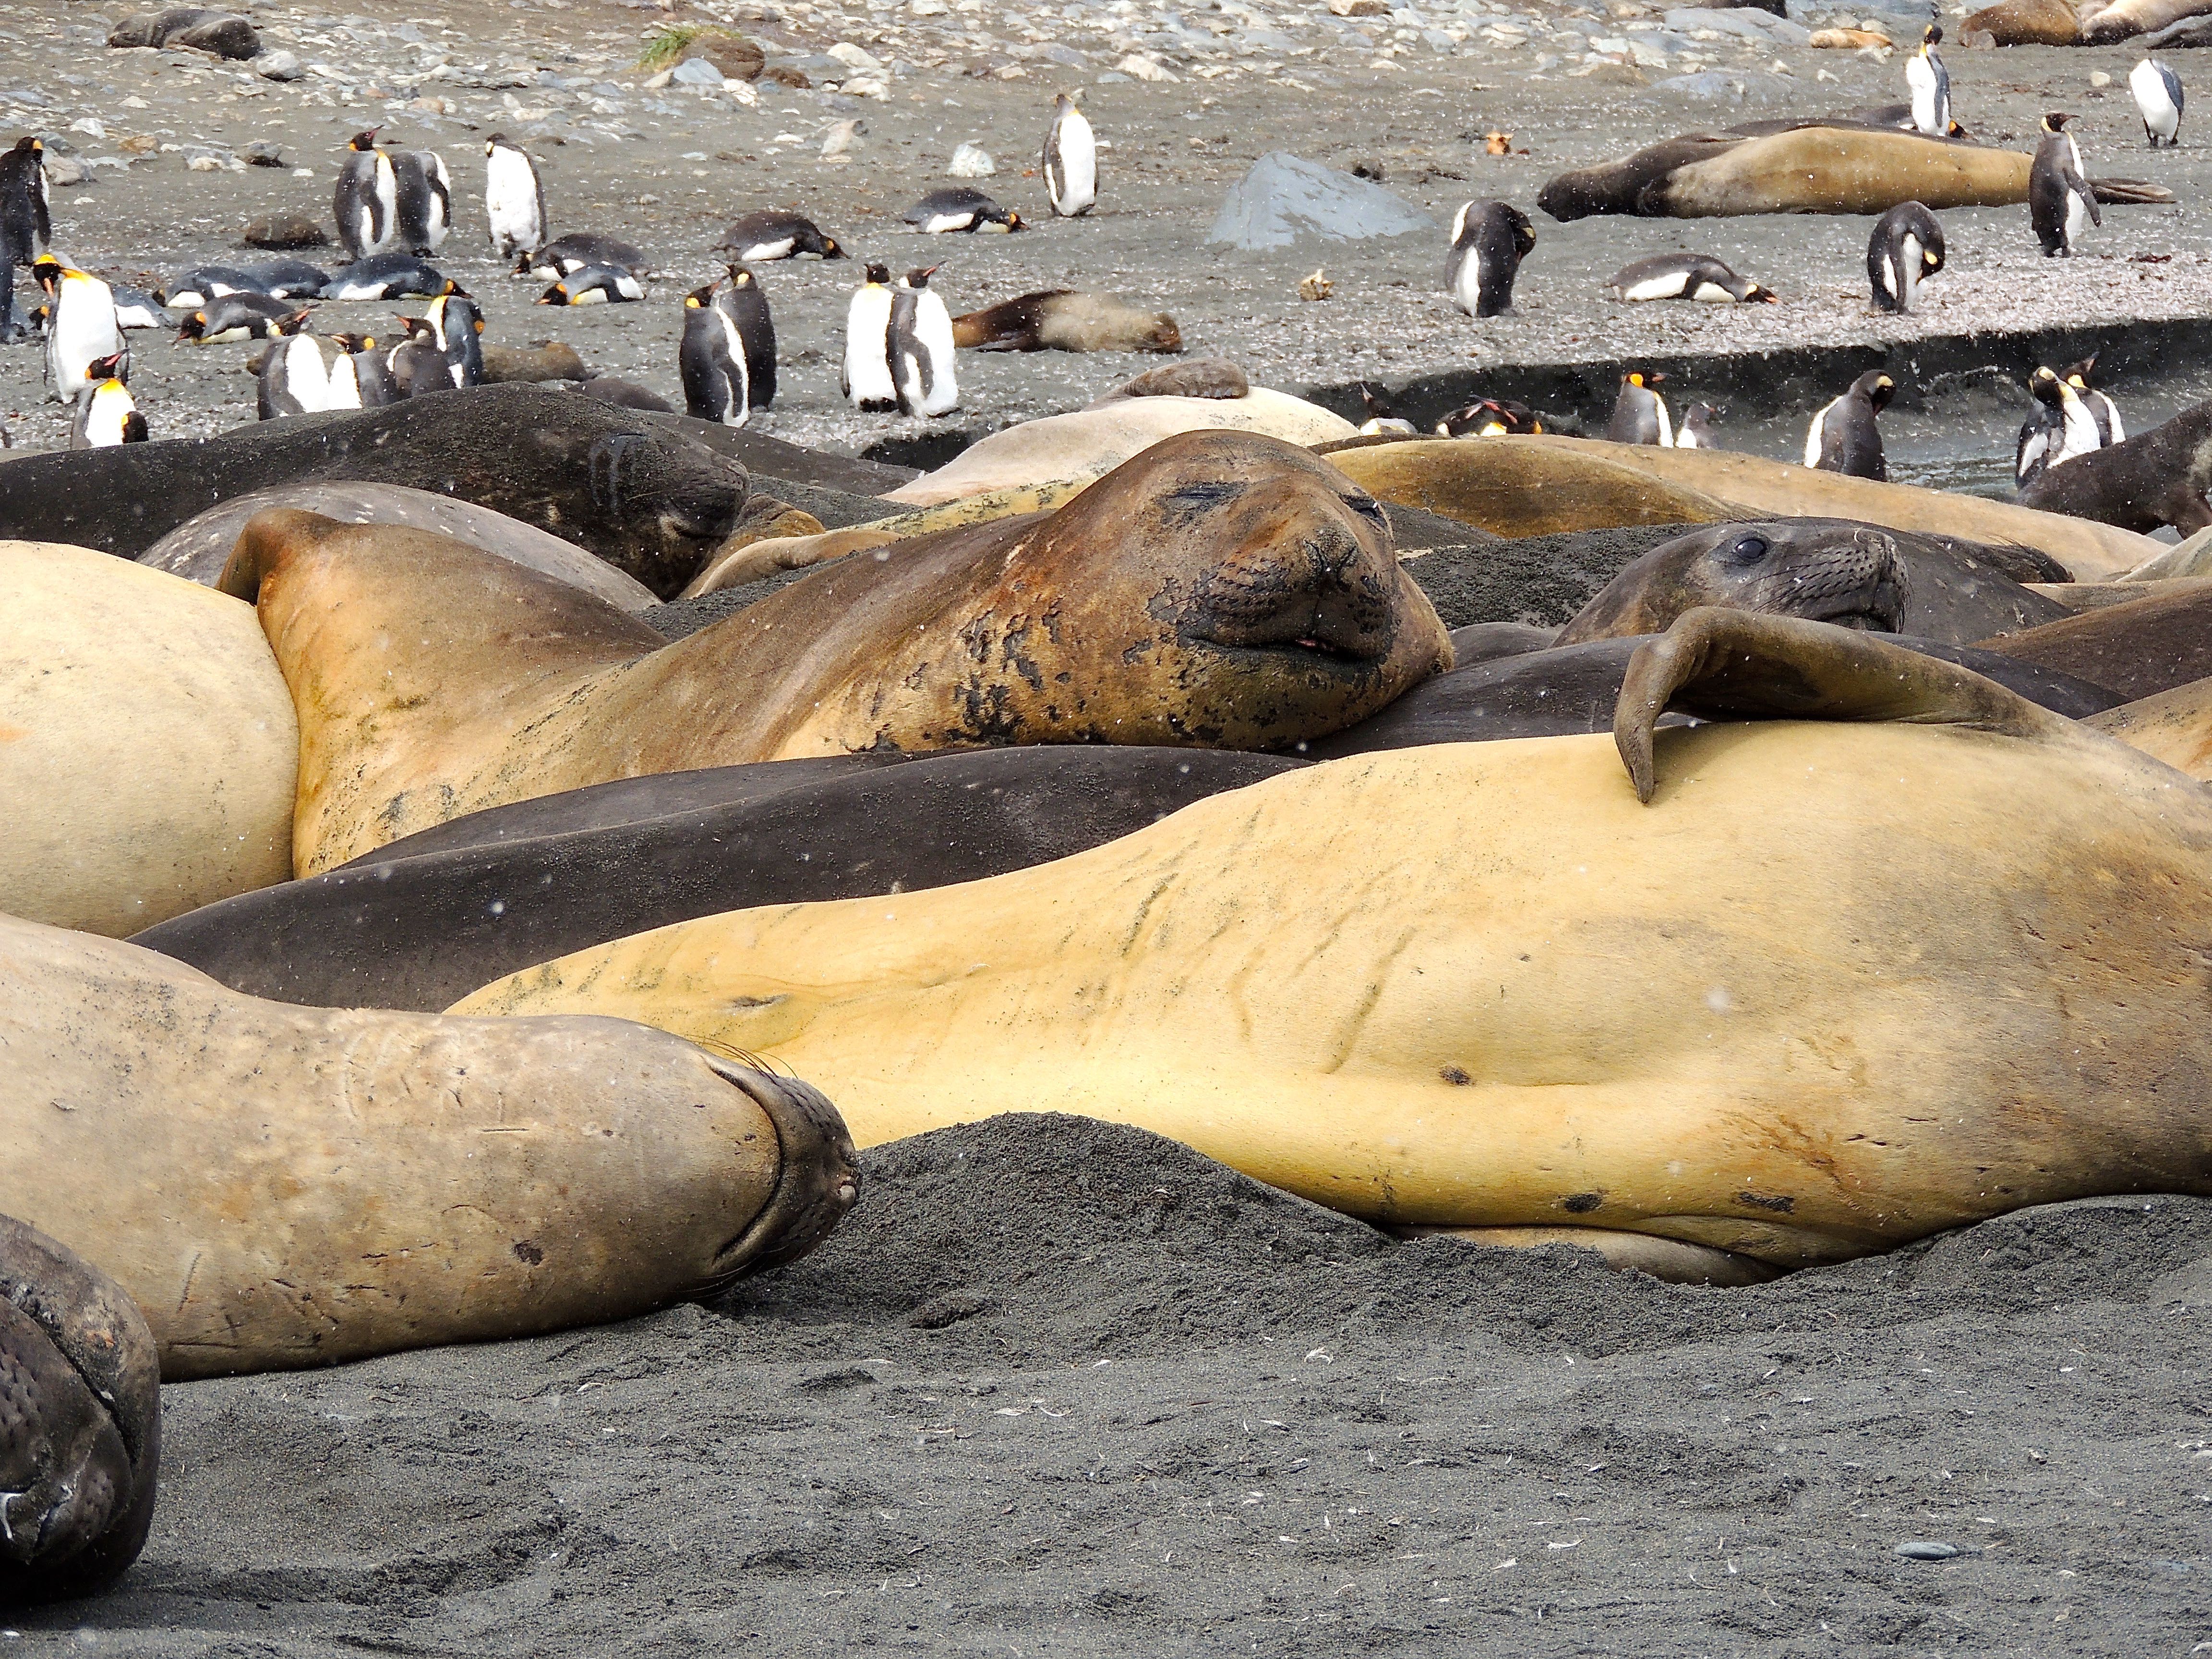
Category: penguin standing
[2059,199]
[746,307]
[1931,85]
[81,331]
[421,200]
[25,225]
[1843,437]
[711,361]
[105,414]
[2058,430]
[352,384]
[1905,249]
[1489,241]
[2158,95]
[1639,414]
[456,327]
[2101,408]
[366,199]
[1070,160]
[920,347]
[294,379]
[865,377]
[1696,431]
[515,199]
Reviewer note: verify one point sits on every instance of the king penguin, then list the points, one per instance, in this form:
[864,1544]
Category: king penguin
[457,328]
[865,377]
[1639,414]
[1696,431]
[351,384]
[106,414]
[25,224]
[81,331]
[1931,85]
[2158,96]
[921,348]
[2102,410]
[711,361]
[515,199]
[421,200]
[1843,438]
[2059,430]
[1070,160]
[1383,419]
[2059,199]
[293,380]
[1905,249]
[366,199]
[1489,241]
[746,307]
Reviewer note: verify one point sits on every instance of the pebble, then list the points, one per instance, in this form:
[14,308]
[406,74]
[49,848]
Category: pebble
[279,66]
[64,170]
[972,161]
[1925,1549]
[696,72]
[844,138]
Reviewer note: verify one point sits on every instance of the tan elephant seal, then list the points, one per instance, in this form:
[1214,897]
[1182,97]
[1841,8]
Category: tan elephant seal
[1220,590]
[280,1187]
[2175,726]
[2027,23]
[147,749]
[2127,18]
[1514,488]
[1835,987]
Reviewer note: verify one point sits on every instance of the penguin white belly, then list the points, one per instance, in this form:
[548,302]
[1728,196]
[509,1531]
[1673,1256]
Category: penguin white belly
[933,332]
[511,200]
[100,425]
[1922,79]
[1666,286]
[1712,294]
[868,376]
[740,410]
[767,251]
[345,389]
[1665,426]
[2079,433]
[1075,150]
[1816,435]
[305,377]
[2112,414]
[590,296]
[1913,260]
[1467,281]
[81,331]
[2077,218]
[938,224]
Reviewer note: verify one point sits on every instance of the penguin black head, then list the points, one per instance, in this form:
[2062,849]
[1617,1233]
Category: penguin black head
[556,295]
[2078,375]
[494,141]
[350,343]
[699,297]
[295,324]
[192,327]
[31,146]
[47,272]
[103,368]
[1932,35]
[1014,221]
[877,275]
[364,141]
[1878,389]
[1753,294]
[919,275]
[452,290]
[2043,386]
[1375,403]
[134,428]
[2056,122]
[831,251]
[1638,377]
[414,328]
[740,276]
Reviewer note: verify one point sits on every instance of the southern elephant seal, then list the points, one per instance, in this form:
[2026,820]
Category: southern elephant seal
[1831,571]
[1065,320]
[1220,590]
[198,550]
[645,495]
[1543,1002]
[278,1186]
[2155,479]
[2027,23]
[404,929]
[1509,487]
[2125,19]
[79,1422]
[1807,167]
[147,748]
[2139,649]
[2175,726]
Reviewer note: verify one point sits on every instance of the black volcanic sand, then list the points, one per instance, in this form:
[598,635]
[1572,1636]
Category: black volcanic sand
[1059,1386]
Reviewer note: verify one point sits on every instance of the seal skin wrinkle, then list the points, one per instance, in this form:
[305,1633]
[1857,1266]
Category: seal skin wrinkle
[1831,990]
[79,1422]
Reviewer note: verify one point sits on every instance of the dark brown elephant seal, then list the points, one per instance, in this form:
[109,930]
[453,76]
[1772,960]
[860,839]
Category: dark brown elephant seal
[2138,649]
[1831,571]
[2155,479]
[1220,590]
[79,1422]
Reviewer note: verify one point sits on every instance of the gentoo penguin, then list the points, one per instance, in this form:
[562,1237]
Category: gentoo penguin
[1070,160]
[515,199]
[2158,95]
[711,361]
[865,377]
[919,347]
[1489,241]
[1639,414]
[2059,430]
[389,276]
[2059,199]
[81,330]
[1491,417]
[1905,249]
[25,225]
[105,414]
[746,307]
[240,316]
[594,285]
[773,233]
[564,256]
[1686,276]
[960,207]
[1696,431]
[454,325]
[422,199]
[1382,418]
[1843,437]
[293,379]
[1931,85]
[367,200]
[2101,408]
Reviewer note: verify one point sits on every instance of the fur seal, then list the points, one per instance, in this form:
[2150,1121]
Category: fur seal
[2155,479]
[1831,571]
[2027,23]
[1065,320]
[79,1422]
[646,496]
[279,1187]
[420,929]
[224,33]
[1220,590]
[2139,649]
[198,550]
[1516,486]
[1808,167]
[148,749]
[554,359]
[1600,1018]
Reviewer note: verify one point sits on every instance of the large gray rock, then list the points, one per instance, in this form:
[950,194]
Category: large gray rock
[1284,199]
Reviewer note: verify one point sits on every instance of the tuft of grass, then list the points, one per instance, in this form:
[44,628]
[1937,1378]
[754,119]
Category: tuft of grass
[665,50]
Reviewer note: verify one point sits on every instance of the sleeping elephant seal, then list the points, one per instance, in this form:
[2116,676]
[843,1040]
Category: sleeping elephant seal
[1831,571]
[2139,649]
[2155,479]
[1220,590]
[645,496]
[2027,24]
[2175,726]
[147,748]
[1512,488]
[416,924]
[2125,19]
[1519,996]
[280,1187]
[79,1422]
[198,550]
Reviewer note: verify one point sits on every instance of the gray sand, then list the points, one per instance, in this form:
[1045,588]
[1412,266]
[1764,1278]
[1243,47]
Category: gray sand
[1058,1387]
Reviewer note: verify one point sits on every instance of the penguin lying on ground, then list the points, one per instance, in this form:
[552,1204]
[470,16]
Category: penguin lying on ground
[2060,203]
[134,308]
[515,199]
[389,276]
[1491,418]
[1639,414]
[960,207]
[565,256]
[1905,249]
[2159,98]
[279,279]
[1843,438]
[240,316]
[2056,431]
[594,285]
[1489,241]
[1686,276]
[773,233]
[1382,418]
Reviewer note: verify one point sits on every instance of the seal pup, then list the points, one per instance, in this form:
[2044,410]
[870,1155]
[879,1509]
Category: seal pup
[865,379]
[1842,436]
[1639,413]
[1489,240]
[2059,430]
[1065,320]
[365,202]
[919,347]
[2155,479]
[960,207]
[394,276]
[1686,276]
[1070,160]
[773,233]
[82,1445]
[2060,203]
[1931,85]
[26,225]
[2102,410]
[1222,590]
[1905,249]
[515,199]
